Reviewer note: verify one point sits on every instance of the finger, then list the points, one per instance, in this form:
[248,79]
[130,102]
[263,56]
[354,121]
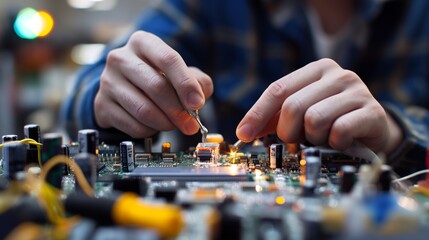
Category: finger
[319,117]
[204,80]
[117,117]
[167,60]
[134,101]
[158,95]
[273,97]
[363,124]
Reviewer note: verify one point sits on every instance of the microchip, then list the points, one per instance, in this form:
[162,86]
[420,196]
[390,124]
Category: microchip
[207,152]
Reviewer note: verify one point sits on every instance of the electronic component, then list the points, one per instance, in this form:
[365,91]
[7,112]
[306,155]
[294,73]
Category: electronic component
[166,147]
[52,143]
[14,158]
[88,164]
[276,156]
[207,153]
[88,141]
[312,166]
[32,131]
[126,153]
[9,138]
[348,179]
[214,137]
[148,145]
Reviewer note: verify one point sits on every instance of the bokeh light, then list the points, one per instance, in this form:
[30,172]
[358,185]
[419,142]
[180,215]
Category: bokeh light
[31,24]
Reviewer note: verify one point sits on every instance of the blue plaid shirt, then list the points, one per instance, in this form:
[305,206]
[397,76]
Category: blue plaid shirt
[245,45]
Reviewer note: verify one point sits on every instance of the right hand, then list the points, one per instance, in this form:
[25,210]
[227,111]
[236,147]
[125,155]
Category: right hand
[143,85]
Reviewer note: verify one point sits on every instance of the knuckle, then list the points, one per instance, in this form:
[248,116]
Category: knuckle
[275,90]
[327,62]
[115,57]
[157,84]
[143,111]
[168,57]
[313,119]
[348,77]
[137,36]
[293,106]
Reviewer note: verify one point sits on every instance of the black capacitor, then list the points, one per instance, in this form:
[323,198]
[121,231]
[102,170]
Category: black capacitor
[348,178]
[87,162]
[52,143]
[384,179]
[9,138]
[276,156]
[88,141]
[14,158]
[126,154]
[32,131]
[148,145]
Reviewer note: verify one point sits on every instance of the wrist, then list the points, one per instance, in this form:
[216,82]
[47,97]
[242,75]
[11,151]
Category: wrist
[395,135]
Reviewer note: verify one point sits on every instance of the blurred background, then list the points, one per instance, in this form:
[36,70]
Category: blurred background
[43,43]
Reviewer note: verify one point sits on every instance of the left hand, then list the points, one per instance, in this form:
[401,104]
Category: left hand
[323,104]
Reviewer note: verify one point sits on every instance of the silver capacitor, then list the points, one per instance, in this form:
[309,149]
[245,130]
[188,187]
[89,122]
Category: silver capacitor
[126,154]
[276,156]
[88,141]
[313,166]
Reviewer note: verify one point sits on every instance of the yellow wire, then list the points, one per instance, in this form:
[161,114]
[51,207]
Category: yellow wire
[83,183]
[31,142]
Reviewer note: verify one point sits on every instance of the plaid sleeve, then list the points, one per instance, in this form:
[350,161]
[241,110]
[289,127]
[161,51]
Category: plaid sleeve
[411,155]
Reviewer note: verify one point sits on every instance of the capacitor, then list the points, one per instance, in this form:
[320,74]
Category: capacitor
[52,143]
[313,166]
[66,152]
[32,131]
[166,147]
[384,179]
[276,156]
[148,145]
[9,138]
[87,162]
[126,153]
[348,178]
[88,141]
[14,158]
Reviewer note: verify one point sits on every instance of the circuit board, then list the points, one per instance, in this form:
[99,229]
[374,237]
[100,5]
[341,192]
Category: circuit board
[211,191]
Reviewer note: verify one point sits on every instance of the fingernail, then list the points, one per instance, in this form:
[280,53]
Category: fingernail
[245,132]
[195,100]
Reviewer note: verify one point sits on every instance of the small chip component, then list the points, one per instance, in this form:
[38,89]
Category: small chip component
[207,152]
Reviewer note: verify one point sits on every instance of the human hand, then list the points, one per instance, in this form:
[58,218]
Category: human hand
[143,85]
[323,104]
